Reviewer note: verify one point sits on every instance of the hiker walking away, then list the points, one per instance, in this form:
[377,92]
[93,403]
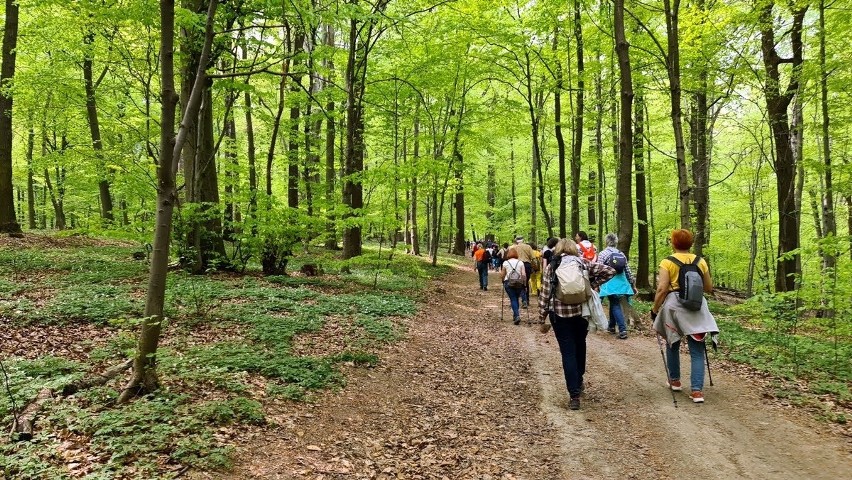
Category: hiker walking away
[623,284]
[547,252]
[585,246]
[569,325]
[495,260]
[482,258]
[514,281]
[535,277]
[500,256]
[525,255]
[680,310]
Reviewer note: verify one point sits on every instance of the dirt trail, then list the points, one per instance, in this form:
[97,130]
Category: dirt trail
[469,396]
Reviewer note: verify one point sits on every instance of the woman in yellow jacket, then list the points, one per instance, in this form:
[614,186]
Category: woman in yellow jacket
[535,277]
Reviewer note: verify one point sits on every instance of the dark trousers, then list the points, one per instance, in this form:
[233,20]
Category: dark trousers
[571,336]
[482,268]
[525,297]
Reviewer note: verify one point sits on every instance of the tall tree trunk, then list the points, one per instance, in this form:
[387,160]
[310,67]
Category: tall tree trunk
[624,183]
[701,158]
[144,379]
[596,179]
[251,151]
[643,270]
[231,169]
[330,133]
[293,146]
[353,194]
[535,103]
[672,11]
[31,212]
[8,222]
[777,103]
[459,243]
[95,129]
[560,140]
[415,232]
[577,142]
[829,222]
[513,189]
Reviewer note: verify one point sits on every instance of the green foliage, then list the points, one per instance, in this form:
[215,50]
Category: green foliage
[358,358]
[93,303]
[28,377]
[237,410]
[379,329]
[309,373]
[140,433]
[376,305]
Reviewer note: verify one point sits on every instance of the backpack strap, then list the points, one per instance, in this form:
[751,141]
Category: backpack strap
[697,259]
[674,260]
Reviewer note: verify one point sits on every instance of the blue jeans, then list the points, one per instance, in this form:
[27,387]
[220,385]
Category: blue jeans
[571,336]
[482,268]
[696,355]
[616,316]
[514,295]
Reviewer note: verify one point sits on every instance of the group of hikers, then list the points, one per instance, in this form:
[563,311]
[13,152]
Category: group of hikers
[569,276]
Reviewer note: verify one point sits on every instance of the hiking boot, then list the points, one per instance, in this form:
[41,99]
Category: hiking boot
[611,329]
[622,336]
[525,305]
[544,328]
[574,404]
[517,320]
[697,396]
[485,288]
[675,385]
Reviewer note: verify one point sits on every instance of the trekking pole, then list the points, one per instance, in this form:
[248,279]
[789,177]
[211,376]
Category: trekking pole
[707,359]
[666,366]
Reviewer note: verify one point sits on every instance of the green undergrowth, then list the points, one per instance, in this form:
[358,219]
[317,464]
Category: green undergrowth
[229,343]
[805,357]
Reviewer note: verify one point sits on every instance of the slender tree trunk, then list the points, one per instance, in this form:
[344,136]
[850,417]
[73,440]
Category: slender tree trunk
[330,169]
[579,114]
[643,270]
[672,11]
[415,232]
[95,130]
[514,194]
[251,150]
[31,212]
[293,146]
[231,169]
[459,243]
[8,222]
[596,179]
[560,140]
[144,379]
[829,222]
[777,103]
[624,207]
[354,160]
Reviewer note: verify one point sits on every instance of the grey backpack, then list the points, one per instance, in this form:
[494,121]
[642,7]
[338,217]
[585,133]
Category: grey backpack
[691,283]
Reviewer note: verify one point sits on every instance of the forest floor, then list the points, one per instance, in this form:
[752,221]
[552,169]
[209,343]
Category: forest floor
[468,395]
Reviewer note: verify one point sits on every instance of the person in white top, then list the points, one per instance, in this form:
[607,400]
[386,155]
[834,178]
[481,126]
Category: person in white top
[514,277]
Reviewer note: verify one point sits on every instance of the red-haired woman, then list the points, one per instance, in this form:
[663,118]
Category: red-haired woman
[673,320]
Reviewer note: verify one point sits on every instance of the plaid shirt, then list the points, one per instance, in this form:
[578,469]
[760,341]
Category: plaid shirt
[598,275]
[604,256]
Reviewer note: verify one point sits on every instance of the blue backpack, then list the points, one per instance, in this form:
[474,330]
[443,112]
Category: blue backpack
[618,261]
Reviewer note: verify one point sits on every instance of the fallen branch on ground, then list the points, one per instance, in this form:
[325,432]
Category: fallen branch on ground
[23,425]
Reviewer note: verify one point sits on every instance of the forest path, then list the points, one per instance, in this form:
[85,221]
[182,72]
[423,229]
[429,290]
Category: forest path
[468,396]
